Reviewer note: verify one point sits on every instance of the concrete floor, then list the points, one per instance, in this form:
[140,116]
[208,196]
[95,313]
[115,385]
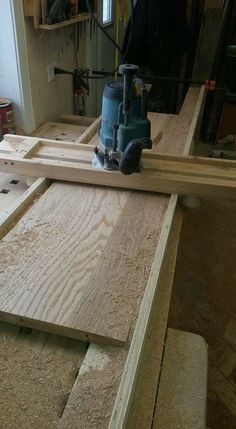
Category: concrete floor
[204,299]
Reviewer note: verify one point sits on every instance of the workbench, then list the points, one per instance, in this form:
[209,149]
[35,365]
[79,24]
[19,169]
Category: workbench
[86,278]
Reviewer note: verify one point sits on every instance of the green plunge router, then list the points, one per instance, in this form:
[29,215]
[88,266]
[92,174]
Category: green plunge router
[125,128]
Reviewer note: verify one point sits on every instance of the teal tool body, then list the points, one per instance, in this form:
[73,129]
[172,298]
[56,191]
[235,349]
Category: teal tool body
[125,128]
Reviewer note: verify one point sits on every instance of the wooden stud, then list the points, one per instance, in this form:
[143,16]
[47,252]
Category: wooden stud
[28,8]
[37,13]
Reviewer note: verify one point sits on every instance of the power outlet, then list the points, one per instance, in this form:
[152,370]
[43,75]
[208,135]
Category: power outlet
[50,71]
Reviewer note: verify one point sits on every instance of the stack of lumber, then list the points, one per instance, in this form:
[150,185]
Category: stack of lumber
[96,264]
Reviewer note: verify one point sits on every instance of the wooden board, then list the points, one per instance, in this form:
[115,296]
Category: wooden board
[161,173]
[144,397]
[81,245]
[79,18]
[38,11]
[60,131]
[182,393]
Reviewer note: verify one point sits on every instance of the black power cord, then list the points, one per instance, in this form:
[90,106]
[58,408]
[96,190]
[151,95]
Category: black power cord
[90,9]
[103,75]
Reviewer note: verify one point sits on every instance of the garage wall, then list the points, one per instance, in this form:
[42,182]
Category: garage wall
[10,76]
[105,52]
[25,54]
[50,99]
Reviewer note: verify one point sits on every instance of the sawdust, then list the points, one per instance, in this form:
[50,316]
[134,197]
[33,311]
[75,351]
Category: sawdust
[33,390]
[92,399]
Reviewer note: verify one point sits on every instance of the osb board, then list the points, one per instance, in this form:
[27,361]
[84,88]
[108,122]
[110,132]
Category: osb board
[78,274]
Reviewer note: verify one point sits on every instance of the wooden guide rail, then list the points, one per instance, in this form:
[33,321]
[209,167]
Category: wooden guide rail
[170,174]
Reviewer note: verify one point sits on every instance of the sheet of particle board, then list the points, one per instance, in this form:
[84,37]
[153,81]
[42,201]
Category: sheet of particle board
[81,254]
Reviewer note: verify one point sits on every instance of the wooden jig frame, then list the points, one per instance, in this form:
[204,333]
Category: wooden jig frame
[161,173]
[152,294]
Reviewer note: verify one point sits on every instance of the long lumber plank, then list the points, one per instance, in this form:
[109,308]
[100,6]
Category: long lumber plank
[161,173]
[144,397]
[153,299]
[67,237]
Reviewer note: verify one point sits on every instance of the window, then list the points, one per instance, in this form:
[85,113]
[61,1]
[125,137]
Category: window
[107,12]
